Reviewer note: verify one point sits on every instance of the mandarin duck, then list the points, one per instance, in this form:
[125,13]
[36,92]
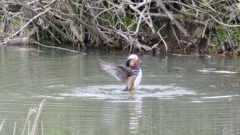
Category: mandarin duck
[130,72]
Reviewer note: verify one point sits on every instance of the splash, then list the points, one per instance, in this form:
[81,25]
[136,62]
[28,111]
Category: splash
[116,92]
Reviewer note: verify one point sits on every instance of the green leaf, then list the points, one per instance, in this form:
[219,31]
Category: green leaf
[222,34]
[215,40]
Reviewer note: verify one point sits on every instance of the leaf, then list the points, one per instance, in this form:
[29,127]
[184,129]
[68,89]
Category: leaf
[215,40]
[238,6]
[222,34]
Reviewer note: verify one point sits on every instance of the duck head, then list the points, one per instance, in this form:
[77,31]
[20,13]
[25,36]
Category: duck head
[132,60]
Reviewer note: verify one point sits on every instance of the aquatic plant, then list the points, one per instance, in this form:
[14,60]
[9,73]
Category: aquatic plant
[31,129]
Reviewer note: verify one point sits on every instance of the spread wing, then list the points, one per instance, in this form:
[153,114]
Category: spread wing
[121,73]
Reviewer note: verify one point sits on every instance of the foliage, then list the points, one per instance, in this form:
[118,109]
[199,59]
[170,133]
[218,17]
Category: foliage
[236,34]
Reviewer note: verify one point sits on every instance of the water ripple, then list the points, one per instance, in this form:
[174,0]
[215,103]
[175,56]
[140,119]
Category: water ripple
[115,92]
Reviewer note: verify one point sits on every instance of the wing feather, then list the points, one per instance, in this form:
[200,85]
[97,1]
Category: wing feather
[121,73]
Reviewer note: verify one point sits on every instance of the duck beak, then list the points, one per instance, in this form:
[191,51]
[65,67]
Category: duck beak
[139,60]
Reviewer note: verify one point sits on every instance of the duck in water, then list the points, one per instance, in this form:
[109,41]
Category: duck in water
[130,72]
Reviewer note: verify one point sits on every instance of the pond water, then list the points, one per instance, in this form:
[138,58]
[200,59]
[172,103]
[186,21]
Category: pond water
[177,95]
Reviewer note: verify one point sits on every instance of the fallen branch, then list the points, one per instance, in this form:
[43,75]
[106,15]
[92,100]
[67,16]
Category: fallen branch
[174,21]
[16,41]
[60,48]
[217,71]
[166,46]
[131,24]
[35,17]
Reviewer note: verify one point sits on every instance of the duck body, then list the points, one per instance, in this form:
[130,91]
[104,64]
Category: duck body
[130,72]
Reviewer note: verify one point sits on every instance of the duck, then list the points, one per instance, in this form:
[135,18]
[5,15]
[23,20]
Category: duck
[130,72]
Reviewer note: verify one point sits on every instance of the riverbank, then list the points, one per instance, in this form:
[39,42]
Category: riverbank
[153,27]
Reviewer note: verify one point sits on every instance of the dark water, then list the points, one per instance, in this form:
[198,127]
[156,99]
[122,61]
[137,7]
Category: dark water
[176,96]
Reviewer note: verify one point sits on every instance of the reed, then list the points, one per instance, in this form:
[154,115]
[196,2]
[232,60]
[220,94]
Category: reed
[36,120]
[31,129]
[2,124]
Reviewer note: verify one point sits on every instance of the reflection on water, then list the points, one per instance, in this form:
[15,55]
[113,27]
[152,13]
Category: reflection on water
[174,97]
[135,114]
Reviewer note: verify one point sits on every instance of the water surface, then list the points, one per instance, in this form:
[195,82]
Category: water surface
[178,95]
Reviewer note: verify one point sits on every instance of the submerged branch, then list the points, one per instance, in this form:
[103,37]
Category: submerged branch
[60,48]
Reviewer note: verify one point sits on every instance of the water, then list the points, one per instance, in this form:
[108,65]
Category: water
[176,96]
